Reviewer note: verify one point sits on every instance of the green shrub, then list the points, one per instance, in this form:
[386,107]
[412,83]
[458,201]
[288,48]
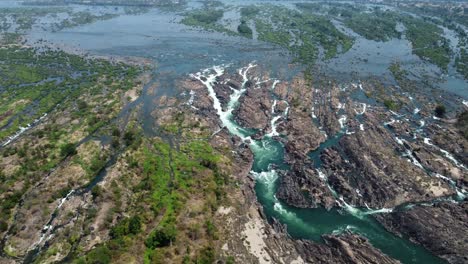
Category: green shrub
[3,226]
[162,236]
[207,256]
[99,255]
[390,104]
[440,110]
[127,226]
[67,149]
[245,30]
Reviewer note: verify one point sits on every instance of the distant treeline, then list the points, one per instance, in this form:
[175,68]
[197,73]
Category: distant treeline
[108,2]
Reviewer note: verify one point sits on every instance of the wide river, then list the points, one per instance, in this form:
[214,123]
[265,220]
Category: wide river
[178,51]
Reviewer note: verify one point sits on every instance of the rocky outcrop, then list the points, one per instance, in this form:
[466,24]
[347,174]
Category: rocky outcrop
[344,248]
[441,228]
[302,136]
[304,188]
[449,139]
[254,109]
[370,169]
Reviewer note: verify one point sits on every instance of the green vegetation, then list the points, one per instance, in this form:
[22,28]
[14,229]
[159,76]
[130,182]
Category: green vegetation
[127,226]
[81,18]
[24,17]
[206,19]
[301,33]
[392,105]
[84,93]
[34,83]
[440,110]
[67,149]
[451,16]
[446,11]
[428,41]
[244,29]
[171,181]
[21,19]
[378,26]
[398,73]
[163,236]
[249,12]
[374,25]
[461,62]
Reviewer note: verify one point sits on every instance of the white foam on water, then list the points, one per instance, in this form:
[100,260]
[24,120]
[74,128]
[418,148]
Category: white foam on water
[435,118]
[323,133]
[399,141]
[363,110]
[22,130]
[313,113]
[321,174]
[445,178]
[416,110]
[465,103]
[361,127]
[359,213]
[64,199]
[390,122]
[395,113]
[447,154]
[341,106]
[273,86]
[192,98]
[379,211]
[342,121]
[286,111]
[341,230]
[273,127]
[422,123]
[412,158]
[452,158]
[225,116]
[349,208]
[268,178]
[273,107]
[48,228]
[358,193]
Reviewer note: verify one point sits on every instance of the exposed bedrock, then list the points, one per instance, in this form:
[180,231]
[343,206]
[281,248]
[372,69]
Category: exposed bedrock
[344,248]
[441,228]
[304,188]
[370,170]
[254,109]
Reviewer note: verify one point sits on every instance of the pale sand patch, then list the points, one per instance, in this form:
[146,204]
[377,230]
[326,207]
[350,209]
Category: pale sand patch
[224,210]
[438,191]
[299,260]
[225,247]
[254,238]
[132,94]
[455,173]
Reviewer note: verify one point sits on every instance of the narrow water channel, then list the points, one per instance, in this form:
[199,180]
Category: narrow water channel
[306,223]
